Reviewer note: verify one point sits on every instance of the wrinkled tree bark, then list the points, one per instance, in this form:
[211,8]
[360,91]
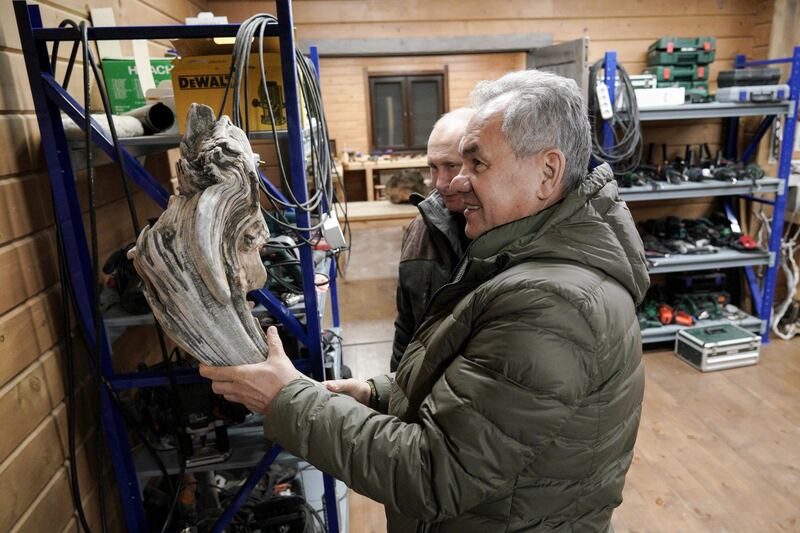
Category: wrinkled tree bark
[201,258]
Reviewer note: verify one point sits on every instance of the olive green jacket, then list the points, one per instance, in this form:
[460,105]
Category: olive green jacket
[432,245]
[517,403]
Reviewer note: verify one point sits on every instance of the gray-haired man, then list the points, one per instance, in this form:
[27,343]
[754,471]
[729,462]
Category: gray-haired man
[516,405]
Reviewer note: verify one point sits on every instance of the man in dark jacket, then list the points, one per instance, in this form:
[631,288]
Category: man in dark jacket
[516,405]
[434,241]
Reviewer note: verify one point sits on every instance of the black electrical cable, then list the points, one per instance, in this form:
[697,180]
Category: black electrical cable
[177,406]
[70,353]
[321,159]
[316,515]
[625,154]
[96,348]
[73,54]
[117,146]
[70,356]
[67,326]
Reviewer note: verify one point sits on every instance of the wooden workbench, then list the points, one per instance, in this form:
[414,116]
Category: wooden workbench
[383,164]
[380,213]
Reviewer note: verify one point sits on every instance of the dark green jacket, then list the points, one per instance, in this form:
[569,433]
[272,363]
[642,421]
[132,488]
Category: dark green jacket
[432,246]
[517,403]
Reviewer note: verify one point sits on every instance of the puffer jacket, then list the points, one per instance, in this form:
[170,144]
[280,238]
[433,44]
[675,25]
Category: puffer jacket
[517,403]
[432,245]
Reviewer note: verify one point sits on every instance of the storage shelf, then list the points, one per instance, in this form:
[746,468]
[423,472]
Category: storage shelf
[143,145]
[667,333]
[725,258]
[117,320]
[698,189]
[713,110]
[247,447]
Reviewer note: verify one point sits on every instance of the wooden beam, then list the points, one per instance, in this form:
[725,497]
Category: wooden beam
[404,46]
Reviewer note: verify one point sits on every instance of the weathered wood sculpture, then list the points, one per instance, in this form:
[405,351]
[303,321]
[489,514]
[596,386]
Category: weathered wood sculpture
[202,256]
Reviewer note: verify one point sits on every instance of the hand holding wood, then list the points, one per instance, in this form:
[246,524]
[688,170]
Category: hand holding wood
[256,385]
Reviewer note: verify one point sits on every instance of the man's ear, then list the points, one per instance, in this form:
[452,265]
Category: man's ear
[553,164]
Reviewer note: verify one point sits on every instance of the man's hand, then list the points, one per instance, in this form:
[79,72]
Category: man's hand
[254,385]
[355,388]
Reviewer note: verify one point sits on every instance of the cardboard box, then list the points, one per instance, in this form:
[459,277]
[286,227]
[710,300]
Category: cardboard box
[122,81]
[202,79]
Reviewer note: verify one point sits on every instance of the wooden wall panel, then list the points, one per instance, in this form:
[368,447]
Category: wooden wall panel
[344,86]
[619,25]
[27,471]
[35,492]
[23,404]
[27,331]
[51,510]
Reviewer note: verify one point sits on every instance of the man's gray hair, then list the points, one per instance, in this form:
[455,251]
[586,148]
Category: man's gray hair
[541,110]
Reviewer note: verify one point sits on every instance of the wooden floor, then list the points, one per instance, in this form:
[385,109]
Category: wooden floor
[717,452]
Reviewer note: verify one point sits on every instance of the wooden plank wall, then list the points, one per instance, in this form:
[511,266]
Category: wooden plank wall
[34,473]
[740,26]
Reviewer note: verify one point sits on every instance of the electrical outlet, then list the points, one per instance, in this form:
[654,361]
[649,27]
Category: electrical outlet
[333,232]
[604,100]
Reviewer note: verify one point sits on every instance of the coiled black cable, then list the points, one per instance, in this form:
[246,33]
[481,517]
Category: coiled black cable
[625,154]
[323,199]
[96,348]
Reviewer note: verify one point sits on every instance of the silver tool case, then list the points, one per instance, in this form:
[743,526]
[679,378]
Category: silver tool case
[718,347]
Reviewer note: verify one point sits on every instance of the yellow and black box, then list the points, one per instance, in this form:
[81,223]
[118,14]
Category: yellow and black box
[203,79]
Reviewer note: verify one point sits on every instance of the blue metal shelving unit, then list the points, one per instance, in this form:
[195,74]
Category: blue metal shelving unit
[50,99]
[762,294]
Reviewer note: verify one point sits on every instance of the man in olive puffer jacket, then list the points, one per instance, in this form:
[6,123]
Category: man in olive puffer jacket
[516,405]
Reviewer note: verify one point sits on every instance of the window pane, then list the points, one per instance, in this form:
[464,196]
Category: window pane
[387,104]
[427,106]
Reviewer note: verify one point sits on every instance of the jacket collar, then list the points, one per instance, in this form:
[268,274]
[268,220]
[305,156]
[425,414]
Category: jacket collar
[439,219]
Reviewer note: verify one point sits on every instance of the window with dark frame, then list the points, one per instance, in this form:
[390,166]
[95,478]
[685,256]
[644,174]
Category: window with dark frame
[404,109]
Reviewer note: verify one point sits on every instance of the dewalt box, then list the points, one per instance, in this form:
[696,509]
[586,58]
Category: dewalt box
[717,347]
[122,81]
[203,79]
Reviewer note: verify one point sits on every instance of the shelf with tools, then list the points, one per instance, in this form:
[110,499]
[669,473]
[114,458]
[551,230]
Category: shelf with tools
[246,447]
[766,190]
[715,110]
[117,320]
[667,333]
[144,145]
[695,189]
[724,258]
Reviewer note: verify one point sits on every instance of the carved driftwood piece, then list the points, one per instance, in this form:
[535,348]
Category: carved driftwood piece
[202,256]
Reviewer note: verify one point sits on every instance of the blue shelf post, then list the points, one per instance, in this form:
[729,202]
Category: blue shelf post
[610,79]
[764,295]
[784,171]
[50,99]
